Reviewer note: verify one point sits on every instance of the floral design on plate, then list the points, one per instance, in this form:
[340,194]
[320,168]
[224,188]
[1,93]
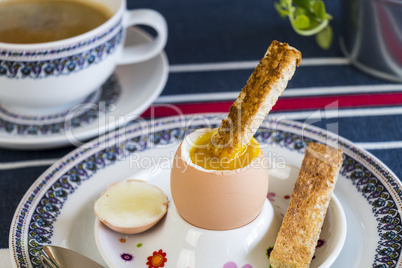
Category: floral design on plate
[268,252]
[271,196]
[127,257]
[234,265]
[158,259]
[320,243]
[56,124]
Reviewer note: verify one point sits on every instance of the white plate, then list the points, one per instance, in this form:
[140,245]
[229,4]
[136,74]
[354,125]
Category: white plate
[130,92]
[58,208]
[188,246]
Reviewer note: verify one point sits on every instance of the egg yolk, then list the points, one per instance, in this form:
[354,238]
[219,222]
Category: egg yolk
[201,155]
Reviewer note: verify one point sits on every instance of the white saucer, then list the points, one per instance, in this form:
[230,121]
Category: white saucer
[123,99]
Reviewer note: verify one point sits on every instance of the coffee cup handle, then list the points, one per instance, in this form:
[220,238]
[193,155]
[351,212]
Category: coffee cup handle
[142,52]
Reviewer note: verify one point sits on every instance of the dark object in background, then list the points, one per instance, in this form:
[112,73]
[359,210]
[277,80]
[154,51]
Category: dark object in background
[372,36]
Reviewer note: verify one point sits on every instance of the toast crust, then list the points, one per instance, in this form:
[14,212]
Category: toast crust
[256,99]
[297,239]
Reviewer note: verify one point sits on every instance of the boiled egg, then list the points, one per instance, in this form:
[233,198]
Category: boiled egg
[217,199]
[131,206]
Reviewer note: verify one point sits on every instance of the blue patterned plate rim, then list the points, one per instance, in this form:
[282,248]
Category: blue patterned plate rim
[32,224]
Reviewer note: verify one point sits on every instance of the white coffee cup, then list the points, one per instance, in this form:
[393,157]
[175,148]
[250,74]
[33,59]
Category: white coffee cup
[52,77]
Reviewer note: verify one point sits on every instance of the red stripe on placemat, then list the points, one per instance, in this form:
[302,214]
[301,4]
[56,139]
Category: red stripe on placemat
[283,104]
[346,101]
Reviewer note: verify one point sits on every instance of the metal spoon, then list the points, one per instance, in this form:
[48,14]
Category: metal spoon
[58,257]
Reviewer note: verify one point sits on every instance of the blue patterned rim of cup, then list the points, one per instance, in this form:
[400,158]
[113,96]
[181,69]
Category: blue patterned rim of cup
[44,62]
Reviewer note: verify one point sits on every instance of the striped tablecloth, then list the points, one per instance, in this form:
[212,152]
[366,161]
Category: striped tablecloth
[213,47]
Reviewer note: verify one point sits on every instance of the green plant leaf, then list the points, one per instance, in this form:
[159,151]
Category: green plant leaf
[282,12]
[307,17]
[324,38]
[313,22]
[283,3]
[319,10]
[304,3]
[301,22]
[301,11]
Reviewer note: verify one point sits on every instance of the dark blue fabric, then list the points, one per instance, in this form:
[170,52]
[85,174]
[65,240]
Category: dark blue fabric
[13,185]
[234,80]
[10,155]
[365,129]
[391,158]
[214,31]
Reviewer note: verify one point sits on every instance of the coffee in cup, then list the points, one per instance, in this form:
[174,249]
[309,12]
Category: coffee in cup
[48,21]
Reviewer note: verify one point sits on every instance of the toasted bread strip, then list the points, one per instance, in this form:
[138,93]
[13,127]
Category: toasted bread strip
[256,99]
[297,239]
